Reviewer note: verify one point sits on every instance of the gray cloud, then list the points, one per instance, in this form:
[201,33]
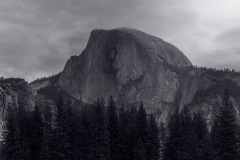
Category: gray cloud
[37,37]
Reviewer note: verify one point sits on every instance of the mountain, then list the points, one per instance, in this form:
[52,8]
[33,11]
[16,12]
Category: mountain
[134,66]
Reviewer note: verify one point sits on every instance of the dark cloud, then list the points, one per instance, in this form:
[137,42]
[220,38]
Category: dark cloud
[38,36]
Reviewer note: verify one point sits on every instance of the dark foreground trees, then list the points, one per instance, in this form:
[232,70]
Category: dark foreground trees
[109,132]
[91,132]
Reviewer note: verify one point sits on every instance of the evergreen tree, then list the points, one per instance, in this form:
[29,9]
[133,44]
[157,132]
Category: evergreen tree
[60,139]
[100,143]
[202,150]
[48,132]
[132,128]
[10,135]
[23,129]
[72,132]
[172,140]
[162,136]
[124,135]
[113,129]
[85,133]
[227,131]
[140,133]
[139,152]
[36,140]
[215,140]
[153,142]
[186,139]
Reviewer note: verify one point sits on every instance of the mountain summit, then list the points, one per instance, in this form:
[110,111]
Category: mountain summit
[129,64]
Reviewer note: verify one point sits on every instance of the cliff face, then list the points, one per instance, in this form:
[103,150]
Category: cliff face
[14,92]
[129,64]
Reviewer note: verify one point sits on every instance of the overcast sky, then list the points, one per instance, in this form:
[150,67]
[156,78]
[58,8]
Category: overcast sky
[38,36]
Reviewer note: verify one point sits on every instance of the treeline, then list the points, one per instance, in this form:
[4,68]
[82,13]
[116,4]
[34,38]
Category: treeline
[108,132]
[94,132]
[216,71]
[53,79]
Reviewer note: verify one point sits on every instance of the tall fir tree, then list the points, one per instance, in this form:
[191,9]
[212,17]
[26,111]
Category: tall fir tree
[59,139]
[172,139]
[124,135]
[48,132]
[85,133]
[186,149]
[113,130]
[23,129]
[203,149]
[141,132]
[226,147]
[100,142]
[36,139]
[153,141]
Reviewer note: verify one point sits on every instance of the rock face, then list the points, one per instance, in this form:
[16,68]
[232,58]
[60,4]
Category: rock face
[14,91]
[129,64]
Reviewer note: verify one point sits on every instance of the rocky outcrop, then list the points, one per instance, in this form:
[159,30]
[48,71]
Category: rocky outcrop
[14,92]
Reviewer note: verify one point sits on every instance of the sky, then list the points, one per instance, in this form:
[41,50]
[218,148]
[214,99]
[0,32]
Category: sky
[37,37]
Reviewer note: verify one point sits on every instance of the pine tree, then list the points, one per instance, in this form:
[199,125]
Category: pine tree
[140,133]
[124,135]
[36,140]
[215,140]
[48,132]
[227,131]
[85,133]
[186,139]
[202,150]
[23,129]
[10,135]
[100,142]
[72,134]
[132,128]
[142,124]
[139,150]
[60,140]
[172,139]
[113,129]
[153,142]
